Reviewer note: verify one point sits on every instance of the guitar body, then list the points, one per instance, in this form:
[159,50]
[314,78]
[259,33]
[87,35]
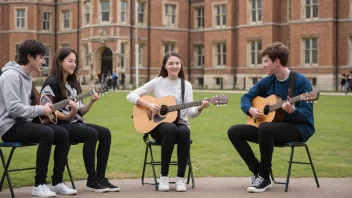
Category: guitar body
[51,119]
[263,104]
[144,121]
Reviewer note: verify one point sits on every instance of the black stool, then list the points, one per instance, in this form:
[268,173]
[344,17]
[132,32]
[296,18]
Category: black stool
[149,143]
[293,145]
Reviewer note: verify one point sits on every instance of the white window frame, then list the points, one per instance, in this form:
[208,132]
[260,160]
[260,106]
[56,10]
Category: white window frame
[46,21]
[17,53]
[221,17]
[170,14]
[350,50]
[105,11]
[141,12]
[199,17]
[198,57]
[47,56]
[20,22]
[258,46]
[350,9]
[122,61]
[65,19]
[289,10]
[169,47]
[311,50]
[86,12]
[257,10]
[219,52]
[86,55]
[310,7]
[123,13]
[141,54]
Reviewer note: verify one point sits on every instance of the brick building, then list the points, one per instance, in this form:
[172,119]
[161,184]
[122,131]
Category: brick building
[219,40]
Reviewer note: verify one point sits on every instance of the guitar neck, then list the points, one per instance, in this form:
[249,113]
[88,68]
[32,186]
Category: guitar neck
[185,105]
[63,103]
[277,106]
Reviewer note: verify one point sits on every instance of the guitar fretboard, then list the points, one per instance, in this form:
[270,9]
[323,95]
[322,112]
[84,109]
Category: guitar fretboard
[185,105]
[63,103]
[277,106]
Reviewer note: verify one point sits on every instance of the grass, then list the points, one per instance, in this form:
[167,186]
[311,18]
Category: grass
[212,153]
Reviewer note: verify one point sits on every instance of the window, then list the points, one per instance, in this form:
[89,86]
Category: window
[86,55]
[141,55]
[218,81]
[199,51]
[122,54]
[200,17]
[20,18]
[169,47]
[288,10]
[67,45]
[254,80]
[350,8]
[86,12]
[46,20]
[313,81]
[350,50]
[105,11]
[66,19]
[310,51]
[123,12]
[256,10]
[220,54]
[170,15]
[220,16]
[311,9]
[141,13]
[200,81]
[47,57]
[17,49]
[255,48]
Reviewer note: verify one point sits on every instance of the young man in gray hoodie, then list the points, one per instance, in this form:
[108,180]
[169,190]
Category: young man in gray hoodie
[16,115]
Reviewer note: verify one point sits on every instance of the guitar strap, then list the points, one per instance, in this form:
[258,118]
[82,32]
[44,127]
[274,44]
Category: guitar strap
[291,83]
[183,89]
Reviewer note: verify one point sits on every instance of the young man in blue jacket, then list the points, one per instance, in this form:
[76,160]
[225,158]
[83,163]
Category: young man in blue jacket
[297,124]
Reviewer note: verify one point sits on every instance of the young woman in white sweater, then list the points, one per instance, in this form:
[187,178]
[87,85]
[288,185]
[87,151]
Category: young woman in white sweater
[169,84]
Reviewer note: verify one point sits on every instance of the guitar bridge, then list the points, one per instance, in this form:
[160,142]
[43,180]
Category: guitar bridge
[149,113]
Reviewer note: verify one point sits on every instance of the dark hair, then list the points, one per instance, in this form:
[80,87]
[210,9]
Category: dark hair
[163,71]
[276,51]
[56,70]
[29,47]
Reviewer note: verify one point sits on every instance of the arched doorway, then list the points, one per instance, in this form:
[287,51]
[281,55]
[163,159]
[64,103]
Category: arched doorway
[106,61]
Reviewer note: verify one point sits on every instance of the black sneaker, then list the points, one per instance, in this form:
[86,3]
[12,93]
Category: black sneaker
[95,186]
[112,188]
[260,185]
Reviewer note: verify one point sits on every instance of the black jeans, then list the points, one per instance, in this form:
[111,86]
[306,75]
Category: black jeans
[267,135]
[89,134]
[45,136]
[168,134]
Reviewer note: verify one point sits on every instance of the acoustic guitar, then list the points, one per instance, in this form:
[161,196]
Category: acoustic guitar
[100,89]
[271,107]
[145,121]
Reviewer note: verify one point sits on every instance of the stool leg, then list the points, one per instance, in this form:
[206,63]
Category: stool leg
[311,164]
[152,164]
[6,173]
[145,163]
[69,174]
[289,168]
[272,175]
[191,172]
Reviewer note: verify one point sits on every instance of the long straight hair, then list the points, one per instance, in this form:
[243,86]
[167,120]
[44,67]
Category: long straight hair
[163,71]
[57,71]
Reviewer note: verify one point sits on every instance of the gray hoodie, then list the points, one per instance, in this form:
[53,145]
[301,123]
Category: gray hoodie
[15,92]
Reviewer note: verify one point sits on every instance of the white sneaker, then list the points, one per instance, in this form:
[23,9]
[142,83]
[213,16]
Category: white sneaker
[61,188]
[180,184]
[164,183]
[43,191]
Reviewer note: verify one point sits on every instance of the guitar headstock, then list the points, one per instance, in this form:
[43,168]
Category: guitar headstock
[101,89]
[310,96]
[218,100]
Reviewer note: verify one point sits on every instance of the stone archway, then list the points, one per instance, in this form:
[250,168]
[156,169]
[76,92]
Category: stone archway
[103,60]
[106,61]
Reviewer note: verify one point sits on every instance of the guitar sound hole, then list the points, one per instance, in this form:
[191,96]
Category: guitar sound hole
[266,110]
[163,110]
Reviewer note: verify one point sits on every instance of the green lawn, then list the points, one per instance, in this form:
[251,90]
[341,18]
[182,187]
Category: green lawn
[212,153]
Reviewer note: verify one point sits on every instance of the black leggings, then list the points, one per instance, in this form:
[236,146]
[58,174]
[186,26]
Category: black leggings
[89,134]
[267,135]
[45,136]
[167,134]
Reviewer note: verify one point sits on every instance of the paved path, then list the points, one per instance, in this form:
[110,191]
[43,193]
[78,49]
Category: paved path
[217,187]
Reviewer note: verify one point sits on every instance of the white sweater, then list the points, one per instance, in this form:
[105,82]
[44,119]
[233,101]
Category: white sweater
[162,87]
